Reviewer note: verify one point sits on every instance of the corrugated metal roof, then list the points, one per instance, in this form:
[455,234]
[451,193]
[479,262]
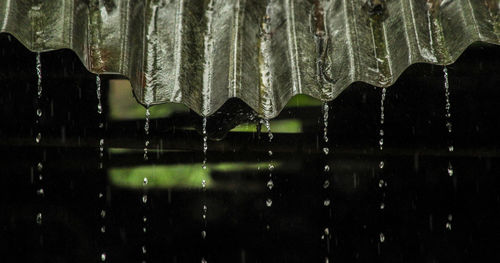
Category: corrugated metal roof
[202,53]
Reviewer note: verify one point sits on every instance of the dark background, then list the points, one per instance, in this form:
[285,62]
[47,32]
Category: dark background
[418,198]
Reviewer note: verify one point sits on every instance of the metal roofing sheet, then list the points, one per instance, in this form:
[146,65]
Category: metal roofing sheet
[202,53]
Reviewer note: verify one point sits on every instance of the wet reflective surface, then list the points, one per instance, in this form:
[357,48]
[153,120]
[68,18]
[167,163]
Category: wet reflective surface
[419,195]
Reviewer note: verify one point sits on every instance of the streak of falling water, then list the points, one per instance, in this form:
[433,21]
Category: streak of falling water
[205,144]
[38,137]
[145,180]
[270,183]
[100,195]
[204,184]
[449,125]
[382,184]
[326,235]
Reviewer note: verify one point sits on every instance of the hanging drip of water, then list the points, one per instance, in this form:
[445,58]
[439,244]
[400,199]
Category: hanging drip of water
[145,180]
[38,136]
[449,129]
[382,184]
[102,210]
[204,183]
[326,235]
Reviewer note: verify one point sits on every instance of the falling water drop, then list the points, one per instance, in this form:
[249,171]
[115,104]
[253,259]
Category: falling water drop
[103,257]
[203,234]
[381,165]
[450,169]
[269,202]
[326,150]
[144,198]
[381,237]
[327,168]
[39,218]
[270,184]
[145,181]
[326,202]
[326,184]
[38,137]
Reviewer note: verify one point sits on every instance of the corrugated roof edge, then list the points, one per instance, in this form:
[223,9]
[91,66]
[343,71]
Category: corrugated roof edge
[201,53]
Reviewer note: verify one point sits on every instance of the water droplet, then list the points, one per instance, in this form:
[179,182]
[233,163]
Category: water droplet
[382,206]
[103,257]
[449,126]
[100,195]
[144,219]
[39,166]
[144,229]
[450,169]
[38,138]
[270,153]
[326,150]
[103,213]
[269,202]
[270,184]
[326,202]
[326,184]
[271,167]
[327,168]
[203,260]
[381,237]
[203,234]
[381,183]
[144,198]
[40,191]
[448,226]
[327,231]
[145,181]
[381,143]
[143,249]
[450,217]
[101,142]
[39,112]
[203,183]
[381,132]
[103,229]
[381,165]
[39,218]
[450,148]
[99,108]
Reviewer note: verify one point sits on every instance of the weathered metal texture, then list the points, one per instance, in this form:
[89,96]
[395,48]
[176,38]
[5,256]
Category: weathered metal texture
[202,53]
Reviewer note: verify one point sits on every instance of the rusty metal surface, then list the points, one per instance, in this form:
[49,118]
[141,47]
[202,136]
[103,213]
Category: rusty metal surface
[202,53]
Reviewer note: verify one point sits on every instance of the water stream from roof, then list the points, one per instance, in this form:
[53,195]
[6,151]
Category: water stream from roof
[100,165]
[204,187]
[38,137]
[326,235]
[270,168]
[145,182]
[448,124]
[382,183]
